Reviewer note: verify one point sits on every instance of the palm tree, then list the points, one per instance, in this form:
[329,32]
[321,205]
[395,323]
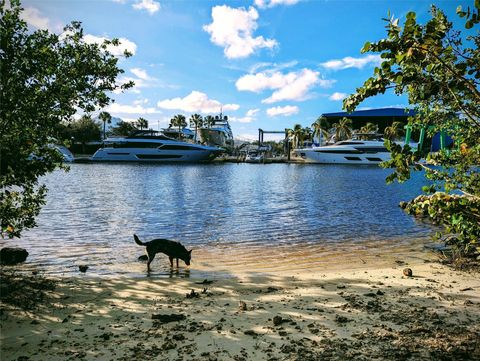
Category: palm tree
[393,131]
[307,134]
[179,121]
[298,134]
[196,120]
[142,123]
[368,128]
[210,120]
[343,129]
[320,127]
[105,117]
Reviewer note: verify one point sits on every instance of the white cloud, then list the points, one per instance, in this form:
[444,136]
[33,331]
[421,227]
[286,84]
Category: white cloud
[232,28]
[284,111]
[141,73]
[149,5]
[272,67]
[196,102]
[337,96]
[248,118]
[294,85]
[350,62]
[140,101]
[271,3]
[116,108]
[143,80]
[34,18]
[119,50]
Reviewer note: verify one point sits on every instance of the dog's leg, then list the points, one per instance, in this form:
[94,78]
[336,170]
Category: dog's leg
[177,262]
[171,261]
[151,256]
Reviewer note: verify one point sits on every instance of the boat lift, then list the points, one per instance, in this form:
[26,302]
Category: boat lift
[261,132]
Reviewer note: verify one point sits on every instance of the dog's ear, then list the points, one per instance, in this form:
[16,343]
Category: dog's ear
[190,252]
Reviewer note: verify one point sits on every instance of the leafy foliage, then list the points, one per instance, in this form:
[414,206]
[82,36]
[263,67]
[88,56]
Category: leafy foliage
[123,128]
[196,120]
[393,131]
[439,69]
[179,121]
[320,129]
[142,123]
[106,118]
[45,79]
[343,129]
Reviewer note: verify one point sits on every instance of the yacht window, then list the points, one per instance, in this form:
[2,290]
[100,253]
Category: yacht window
[352,158]
[137,145]
[372,149]
[178,147]
[157,156]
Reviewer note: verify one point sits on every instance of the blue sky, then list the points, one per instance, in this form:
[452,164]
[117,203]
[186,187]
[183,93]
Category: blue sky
[269,63]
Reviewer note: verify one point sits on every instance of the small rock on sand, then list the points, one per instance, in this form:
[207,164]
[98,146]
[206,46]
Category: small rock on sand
[407,272]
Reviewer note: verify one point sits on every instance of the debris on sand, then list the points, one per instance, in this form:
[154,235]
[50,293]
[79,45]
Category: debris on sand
[168,318]
[242,306]
[192,294]
[24,292]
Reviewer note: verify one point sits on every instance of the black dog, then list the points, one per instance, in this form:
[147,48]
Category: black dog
[171,248]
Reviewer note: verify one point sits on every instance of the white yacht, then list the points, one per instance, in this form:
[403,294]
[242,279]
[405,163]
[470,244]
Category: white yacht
[153,146]
[351,151]
[218,134]
[254,157]
[66,154]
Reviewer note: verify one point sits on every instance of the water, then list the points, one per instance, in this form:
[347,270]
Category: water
[234,216]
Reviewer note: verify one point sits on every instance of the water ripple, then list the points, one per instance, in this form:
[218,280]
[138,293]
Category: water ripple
[93,211]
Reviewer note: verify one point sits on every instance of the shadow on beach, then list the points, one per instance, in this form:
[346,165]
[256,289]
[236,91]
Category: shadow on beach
[348,315]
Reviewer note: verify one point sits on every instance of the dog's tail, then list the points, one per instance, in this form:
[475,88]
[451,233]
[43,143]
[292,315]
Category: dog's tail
[137,240]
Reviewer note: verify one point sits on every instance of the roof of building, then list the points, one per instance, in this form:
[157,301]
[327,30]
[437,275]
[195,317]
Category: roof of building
[379,112]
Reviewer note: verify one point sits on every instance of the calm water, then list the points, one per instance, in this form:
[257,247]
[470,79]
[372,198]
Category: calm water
[233,212]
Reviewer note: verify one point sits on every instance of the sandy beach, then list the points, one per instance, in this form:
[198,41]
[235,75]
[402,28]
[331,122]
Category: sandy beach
[370,312]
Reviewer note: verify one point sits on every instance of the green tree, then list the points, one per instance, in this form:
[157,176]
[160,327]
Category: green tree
[179,121]
[142,123]
[343,129]
[298,135]
[393,131]
[196,120]
[123,128]
[85,130]
[44,80]
[368,128]
[438,67]
[209,120]
[320,129]
[105,117]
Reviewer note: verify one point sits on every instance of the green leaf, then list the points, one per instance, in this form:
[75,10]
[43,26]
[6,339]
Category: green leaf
[366,47]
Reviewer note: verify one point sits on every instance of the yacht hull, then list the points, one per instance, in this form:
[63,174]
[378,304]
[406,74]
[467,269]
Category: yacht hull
[154,155]
[325,157]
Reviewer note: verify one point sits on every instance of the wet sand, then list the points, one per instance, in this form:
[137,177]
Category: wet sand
[358,307]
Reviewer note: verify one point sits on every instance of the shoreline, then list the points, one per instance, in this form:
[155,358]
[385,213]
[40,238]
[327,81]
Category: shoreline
[227,260]
[370,313]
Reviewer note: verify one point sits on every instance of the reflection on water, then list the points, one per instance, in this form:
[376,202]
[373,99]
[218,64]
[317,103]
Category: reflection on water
[228,213]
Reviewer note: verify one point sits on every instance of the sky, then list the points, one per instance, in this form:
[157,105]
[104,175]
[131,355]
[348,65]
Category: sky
[267,64]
